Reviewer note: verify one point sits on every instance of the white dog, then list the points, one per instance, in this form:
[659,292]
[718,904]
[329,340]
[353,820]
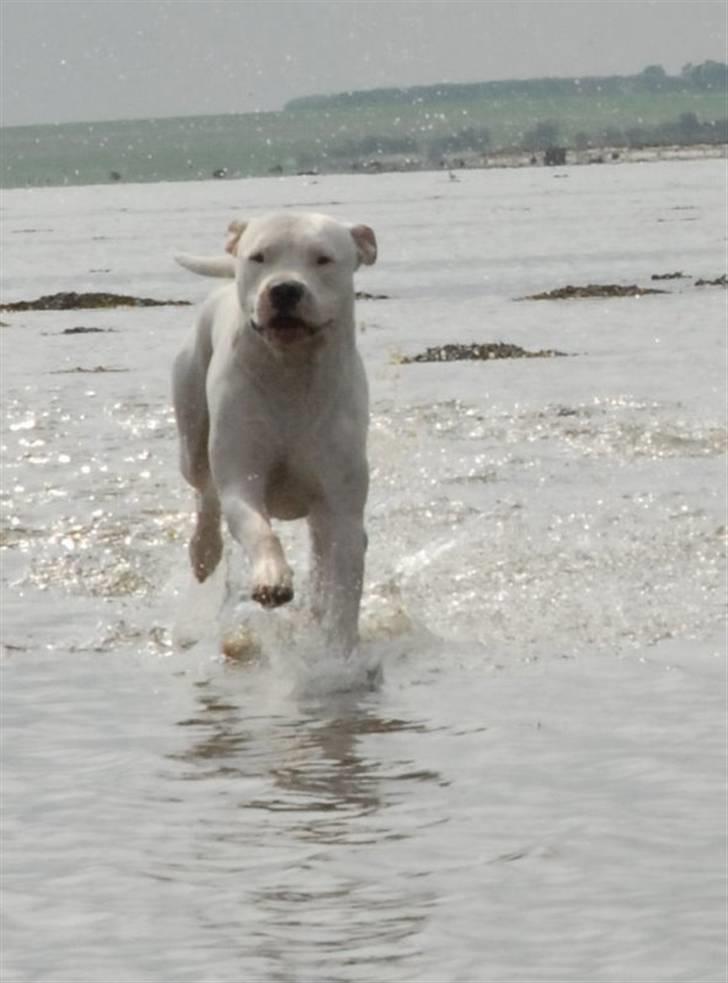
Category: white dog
[271,402]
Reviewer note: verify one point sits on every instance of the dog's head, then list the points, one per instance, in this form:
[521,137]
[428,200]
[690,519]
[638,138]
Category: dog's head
[295,273]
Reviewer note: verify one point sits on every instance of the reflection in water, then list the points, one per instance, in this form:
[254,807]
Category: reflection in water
[312,760]
[303,786]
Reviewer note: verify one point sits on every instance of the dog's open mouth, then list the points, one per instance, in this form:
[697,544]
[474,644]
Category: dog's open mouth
[287,330]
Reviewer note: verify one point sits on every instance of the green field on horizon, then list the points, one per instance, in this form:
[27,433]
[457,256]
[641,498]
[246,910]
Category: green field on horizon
[255,144]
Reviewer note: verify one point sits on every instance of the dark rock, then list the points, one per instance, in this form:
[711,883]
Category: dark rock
[595,290]
[81,330]
[78,369]
[720,281]
[554,156]
[668,276]
[477,352]
[75,302]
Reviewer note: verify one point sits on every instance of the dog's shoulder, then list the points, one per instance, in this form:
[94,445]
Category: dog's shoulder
[217,300]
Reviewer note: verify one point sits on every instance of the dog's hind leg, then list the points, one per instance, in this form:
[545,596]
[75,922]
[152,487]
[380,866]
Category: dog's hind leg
[193,425]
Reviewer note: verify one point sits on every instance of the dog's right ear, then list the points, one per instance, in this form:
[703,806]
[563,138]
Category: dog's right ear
[235,230]
[365,242]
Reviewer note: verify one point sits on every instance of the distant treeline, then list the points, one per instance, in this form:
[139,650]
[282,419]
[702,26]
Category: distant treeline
[387,129]
[708,76]
[685,130]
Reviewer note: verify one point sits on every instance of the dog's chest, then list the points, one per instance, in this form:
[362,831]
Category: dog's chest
[290,490]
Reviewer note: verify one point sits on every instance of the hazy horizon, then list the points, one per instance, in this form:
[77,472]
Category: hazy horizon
[136,119]
[90,61]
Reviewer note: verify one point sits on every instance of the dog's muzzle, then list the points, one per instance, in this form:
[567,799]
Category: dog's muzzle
[280,315]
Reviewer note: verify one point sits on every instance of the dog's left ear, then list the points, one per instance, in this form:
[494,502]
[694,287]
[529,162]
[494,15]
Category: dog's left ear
[235,230]
[366,243]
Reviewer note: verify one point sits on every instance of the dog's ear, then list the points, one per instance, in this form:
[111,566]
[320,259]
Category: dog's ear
[235,230]
[366,243]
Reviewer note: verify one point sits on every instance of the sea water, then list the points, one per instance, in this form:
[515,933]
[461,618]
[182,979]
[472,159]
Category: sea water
[536,789]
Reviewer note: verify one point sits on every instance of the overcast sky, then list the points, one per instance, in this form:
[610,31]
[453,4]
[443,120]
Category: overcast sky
[66,60]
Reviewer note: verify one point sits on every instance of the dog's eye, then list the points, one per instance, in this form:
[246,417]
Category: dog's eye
[323,260]
[257,258]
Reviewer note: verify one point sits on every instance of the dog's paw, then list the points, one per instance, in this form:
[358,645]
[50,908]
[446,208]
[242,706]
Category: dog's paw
[205,553]
[272,596]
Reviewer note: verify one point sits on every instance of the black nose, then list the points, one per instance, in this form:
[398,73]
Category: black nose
[286,295]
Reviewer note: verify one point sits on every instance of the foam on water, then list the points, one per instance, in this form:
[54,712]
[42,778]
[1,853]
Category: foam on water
[296,650]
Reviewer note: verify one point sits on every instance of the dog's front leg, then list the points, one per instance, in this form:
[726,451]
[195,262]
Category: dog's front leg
[339,544]
[247,519]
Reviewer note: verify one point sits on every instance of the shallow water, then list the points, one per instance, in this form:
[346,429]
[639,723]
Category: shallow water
[535,791]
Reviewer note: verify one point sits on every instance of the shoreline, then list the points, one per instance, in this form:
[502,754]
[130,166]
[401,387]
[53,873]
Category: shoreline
[572,157]
[416,163]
